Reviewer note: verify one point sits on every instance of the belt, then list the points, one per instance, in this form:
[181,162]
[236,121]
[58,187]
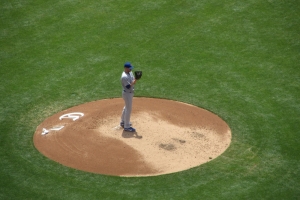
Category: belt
[127,92]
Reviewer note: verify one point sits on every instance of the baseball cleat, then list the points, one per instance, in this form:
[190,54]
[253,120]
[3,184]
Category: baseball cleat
[122,124]
[130,129]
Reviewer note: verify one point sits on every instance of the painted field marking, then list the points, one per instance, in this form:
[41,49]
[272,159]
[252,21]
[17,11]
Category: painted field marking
[74,116]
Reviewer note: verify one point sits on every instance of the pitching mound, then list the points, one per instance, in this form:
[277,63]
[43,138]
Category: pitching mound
[171,136]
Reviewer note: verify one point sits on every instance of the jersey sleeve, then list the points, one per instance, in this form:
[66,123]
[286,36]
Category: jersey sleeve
[132,76]
[125,82]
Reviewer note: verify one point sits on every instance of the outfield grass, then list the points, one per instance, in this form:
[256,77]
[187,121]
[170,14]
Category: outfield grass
[238,59]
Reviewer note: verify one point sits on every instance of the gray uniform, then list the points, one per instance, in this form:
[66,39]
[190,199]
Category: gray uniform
[127,94]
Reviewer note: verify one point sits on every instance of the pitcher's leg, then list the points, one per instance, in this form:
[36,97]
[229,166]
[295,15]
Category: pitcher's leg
[123,115]
[128,107]
[128,112]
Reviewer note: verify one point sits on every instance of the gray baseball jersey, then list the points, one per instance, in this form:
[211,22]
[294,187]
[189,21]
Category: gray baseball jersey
[126,80]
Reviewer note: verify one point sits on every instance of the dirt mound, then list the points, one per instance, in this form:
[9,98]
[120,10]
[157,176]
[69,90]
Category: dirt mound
[171,136]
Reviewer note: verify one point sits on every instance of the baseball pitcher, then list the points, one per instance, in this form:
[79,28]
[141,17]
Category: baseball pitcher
[128,81]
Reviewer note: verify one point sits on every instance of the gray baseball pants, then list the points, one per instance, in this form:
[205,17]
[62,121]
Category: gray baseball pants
[127,108]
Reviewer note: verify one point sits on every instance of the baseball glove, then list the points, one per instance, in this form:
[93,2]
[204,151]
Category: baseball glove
[138,74]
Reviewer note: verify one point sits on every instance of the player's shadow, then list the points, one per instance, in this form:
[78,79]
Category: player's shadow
[127,134]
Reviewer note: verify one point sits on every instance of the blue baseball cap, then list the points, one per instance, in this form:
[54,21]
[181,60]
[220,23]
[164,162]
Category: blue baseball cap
[128,65]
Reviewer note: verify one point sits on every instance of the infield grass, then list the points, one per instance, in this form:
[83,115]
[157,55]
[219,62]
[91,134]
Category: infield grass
[238,59]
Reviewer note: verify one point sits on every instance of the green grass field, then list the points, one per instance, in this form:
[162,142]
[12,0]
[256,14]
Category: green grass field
[238,59]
